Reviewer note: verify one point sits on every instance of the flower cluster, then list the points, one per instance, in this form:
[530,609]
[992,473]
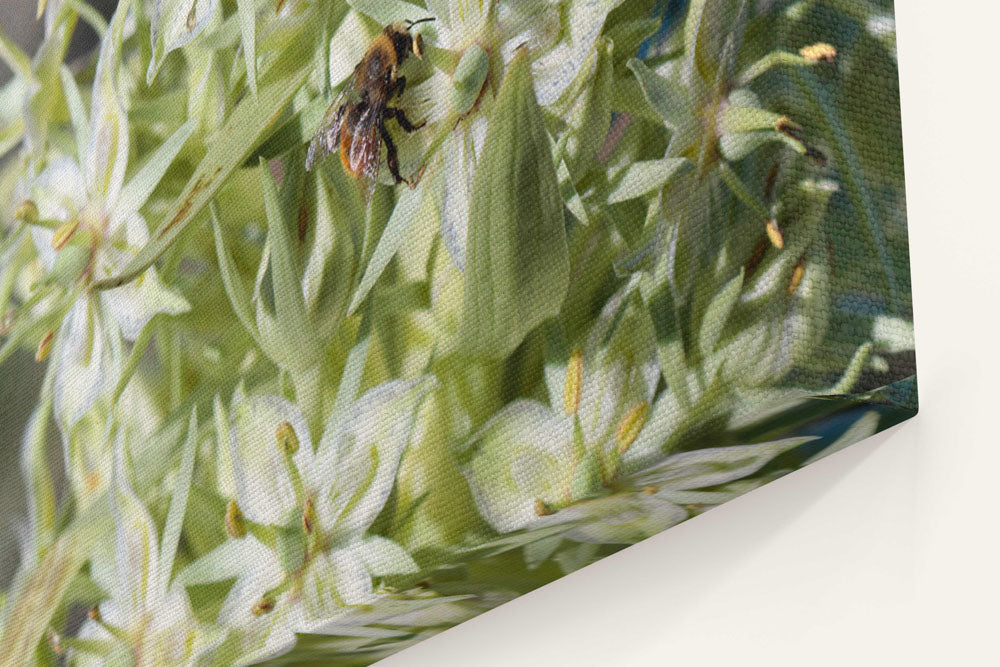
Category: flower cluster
[649,256]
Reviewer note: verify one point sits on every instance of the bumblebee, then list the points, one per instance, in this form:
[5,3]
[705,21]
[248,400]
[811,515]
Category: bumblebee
[354,124]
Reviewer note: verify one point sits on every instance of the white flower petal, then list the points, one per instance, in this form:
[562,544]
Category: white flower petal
[59,190]
[264,490]
[107,155]
[134,304]
[136,547]
[558,66]
[245,559]
[621,518]
[88,360]
[173,635]
[461,152]
[523,454]
[710,467]
[381,556]
[361,457]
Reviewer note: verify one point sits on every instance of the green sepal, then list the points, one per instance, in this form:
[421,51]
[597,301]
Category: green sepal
[517,270]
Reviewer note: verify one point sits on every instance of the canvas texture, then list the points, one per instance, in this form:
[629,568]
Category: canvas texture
[329,325]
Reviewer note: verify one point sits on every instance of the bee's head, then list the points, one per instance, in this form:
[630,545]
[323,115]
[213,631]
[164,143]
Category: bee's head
[416,40]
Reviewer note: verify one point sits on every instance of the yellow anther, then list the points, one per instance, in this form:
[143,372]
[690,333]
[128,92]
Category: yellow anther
[796,280]
[288,441]
[45,346]
[541,509]
[65,233]
[574,382]
[262,606]
[309,517]
[630,426]
[774,234]
[820,51]
[27,211]
[235,526]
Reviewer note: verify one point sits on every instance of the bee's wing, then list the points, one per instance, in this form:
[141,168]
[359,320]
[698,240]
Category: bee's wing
[365,154]
[326,140]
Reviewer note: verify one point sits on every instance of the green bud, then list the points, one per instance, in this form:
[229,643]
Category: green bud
[468,79]
[27,212]
[70,264]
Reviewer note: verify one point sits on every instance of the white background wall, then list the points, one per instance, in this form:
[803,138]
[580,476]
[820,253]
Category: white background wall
[886,553]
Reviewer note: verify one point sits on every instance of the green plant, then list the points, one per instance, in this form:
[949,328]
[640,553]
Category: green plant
[646,264]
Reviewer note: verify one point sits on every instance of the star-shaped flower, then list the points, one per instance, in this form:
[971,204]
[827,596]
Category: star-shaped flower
[299,521]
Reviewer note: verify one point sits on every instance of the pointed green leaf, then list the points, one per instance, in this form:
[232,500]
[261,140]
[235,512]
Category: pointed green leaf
[77,112]
[132,364]
[741,191]
[354,368]
[392,238]
[590,117]
[41,492]
[517,267]
[135,193]
[248,123]
[289,302]
[15,58]
[641,178]
[178,504]
[173,24]
[667,98]
[248,30]
[232,281]
[717,313]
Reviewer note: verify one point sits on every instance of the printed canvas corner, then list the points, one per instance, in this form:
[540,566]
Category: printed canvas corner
[327,326]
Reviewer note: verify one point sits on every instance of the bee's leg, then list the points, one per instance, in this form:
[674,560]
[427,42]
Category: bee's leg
[398,87]
[390,154]
[403,121]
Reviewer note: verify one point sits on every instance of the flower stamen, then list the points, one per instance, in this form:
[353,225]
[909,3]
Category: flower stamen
[630,426]
[574,382]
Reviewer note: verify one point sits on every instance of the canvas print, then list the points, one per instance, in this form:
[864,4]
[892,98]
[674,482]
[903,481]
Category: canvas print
[330,324]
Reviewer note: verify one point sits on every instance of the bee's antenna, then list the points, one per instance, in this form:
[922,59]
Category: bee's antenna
[410,24]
